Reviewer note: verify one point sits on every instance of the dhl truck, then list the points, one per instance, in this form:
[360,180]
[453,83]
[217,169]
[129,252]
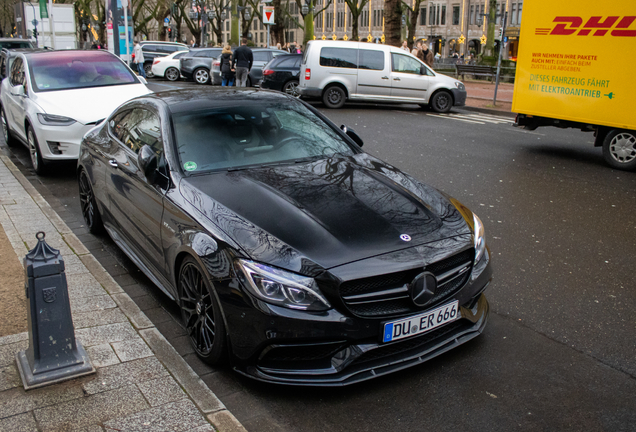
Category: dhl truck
[576,69]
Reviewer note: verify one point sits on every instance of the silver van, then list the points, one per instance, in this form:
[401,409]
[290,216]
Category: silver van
[337,71]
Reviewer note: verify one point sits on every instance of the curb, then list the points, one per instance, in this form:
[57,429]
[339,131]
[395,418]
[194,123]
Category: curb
[205,400]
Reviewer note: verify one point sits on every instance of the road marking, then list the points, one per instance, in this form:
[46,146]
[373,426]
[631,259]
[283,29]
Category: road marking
[475,118]
[455,117]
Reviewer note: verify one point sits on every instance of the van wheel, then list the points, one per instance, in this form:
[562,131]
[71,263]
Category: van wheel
[334,97]
[441,102]
[619,149]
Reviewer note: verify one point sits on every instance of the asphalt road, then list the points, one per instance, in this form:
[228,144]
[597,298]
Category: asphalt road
[559,352]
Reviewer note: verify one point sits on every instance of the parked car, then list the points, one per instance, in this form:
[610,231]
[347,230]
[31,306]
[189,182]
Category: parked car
[13,43]
[197,63]
[261,57]
[154,49]
[52,98]
[337,71]
[282,74]
[6,59]
[288,248]
[168,66]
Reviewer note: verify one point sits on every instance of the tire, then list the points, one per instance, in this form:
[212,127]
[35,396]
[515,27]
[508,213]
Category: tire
[291,88]
[334,97]
[90,211]
[201,76]
[619,149]
[34,150]
[172,74]
[441,102]
[6,133]
[201,313]
[148,70]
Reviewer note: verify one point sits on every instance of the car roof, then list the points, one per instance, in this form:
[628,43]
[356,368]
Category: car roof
[194,99]
[16,51]
[15,39]
[162,43]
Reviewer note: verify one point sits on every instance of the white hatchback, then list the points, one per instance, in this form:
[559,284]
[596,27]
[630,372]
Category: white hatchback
[168,66]
[50,99]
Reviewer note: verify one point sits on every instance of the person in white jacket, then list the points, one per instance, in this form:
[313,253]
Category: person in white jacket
[139,58]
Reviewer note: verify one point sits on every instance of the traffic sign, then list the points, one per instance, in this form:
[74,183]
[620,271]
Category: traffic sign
[268,15]
[166,20]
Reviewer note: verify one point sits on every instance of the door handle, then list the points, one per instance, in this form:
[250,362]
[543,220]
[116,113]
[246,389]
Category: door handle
[385,77]
[113,163]
[396,79]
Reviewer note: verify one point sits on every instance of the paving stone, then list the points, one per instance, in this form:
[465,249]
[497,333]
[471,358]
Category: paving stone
[106,280]
[124,280]
[17,400]
[123,374]
[198,366]
[146,302]
[93,303]
[19,423]
[102,355]
[222,384]
[161,391]
[158,315]
[182,345]
[131,350]
[136,290]
[134,314]
[171,329]
[83,285]
[244,408]
[177,416]
[205,428]
[224,421]
[106,334]
[9,378]
[5,340]
[7,352]
[91,410]
[74,243]
[98,318]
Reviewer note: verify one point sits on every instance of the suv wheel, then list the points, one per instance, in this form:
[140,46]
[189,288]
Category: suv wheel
[291,88]
[6,133]
[334,97]
[172,74]
[201,76]
[34,149]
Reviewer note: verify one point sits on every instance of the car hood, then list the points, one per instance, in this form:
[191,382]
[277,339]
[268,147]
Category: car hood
[329,212]
[88,105]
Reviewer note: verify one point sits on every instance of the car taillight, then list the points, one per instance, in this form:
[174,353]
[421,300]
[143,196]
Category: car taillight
[307,73]
[156,61]
[216,63]
[267,72]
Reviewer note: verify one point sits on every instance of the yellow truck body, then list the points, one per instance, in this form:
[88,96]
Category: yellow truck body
[576,63]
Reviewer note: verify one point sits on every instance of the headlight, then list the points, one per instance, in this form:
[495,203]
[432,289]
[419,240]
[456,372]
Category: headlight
[282,288]
[460,85]
[55,120]
[480,238]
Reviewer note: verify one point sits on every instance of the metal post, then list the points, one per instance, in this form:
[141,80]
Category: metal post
[268,42]
[501,44]
[51,24]
[124,4]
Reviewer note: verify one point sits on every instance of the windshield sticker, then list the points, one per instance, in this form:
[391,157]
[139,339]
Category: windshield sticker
[190,166]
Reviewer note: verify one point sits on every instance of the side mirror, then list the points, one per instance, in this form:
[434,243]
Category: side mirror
[142,79]
[352,134]
[18,90]
[423,70]
[147,160]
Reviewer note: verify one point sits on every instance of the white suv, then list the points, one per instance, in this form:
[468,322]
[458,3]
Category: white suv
[50,99]
[337,71]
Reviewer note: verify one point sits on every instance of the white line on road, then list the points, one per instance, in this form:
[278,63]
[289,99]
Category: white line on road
[446,116]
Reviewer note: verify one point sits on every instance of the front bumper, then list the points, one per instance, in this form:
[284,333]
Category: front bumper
[60,142]
[459,96]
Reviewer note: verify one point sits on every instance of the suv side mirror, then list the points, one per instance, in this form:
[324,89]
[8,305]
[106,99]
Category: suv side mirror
[352,134]
[18,90]
[142,79]
[147,160]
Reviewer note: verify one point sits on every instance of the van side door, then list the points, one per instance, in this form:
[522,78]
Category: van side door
[374,68]
[407,80]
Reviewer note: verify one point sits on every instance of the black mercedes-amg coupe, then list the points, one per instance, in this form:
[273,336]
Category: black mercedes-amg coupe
[291,252]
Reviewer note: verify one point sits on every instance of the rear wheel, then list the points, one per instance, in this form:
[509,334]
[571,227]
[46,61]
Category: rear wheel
[34,149]
[619,149]
[90,212]
[201,313]
[6,133]
[201,76]
[334,97]
[148,70]
[441,102]
[291,88]
[172,74]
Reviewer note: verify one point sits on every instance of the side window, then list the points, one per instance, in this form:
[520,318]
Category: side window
[141,127]
[371,59]
[261,56]
[116,125]
[148,48]
[17,72]
[200,54]
[339,57]
[287,63]
[405,64]
[178,56]
[3,67]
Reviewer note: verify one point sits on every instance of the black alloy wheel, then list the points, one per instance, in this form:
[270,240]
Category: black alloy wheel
[334,97]
[291,88]
[90,212]
[441,102]
[6,133]
[148,70]
[34,150]
[201,313]
[172,74]
[619,149]
[201,76]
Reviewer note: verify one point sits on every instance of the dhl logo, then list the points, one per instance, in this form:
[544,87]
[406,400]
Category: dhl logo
[569,25]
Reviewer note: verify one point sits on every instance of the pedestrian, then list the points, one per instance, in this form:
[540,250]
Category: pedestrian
[227,71]
[427,56]
[242,62]
[138,58]
[278,46]
[292,48]
[193,43]
[405,46]
[299,49]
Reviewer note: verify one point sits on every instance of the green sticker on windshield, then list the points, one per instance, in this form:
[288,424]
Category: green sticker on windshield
[190,166]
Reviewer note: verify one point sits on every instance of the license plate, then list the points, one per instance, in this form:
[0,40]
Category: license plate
[418,324]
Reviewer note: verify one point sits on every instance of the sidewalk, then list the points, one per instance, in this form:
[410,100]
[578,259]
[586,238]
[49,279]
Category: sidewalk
[141,384]
[481,93]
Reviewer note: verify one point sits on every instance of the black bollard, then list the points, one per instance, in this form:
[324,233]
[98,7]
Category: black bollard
[53,354]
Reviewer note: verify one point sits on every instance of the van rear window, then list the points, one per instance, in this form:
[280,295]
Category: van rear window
[339,57]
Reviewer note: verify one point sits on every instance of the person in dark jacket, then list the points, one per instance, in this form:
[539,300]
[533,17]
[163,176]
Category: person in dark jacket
[243,59]
[227,71]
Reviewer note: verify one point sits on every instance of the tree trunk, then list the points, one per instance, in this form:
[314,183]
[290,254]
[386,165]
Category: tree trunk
[393,22]
[489,49]
[413,15]
[354,27]
[277,32]
[234,34]
[309,27]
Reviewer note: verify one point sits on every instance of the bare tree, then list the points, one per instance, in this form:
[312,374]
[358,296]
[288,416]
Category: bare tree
[413,14]
[356,6]
[393,22]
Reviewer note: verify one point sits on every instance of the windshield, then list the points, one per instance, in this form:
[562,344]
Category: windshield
[240,135]
[73,70]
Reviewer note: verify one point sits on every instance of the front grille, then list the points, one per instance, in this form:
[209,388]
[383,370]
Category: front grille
[388,295]
[410,344]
